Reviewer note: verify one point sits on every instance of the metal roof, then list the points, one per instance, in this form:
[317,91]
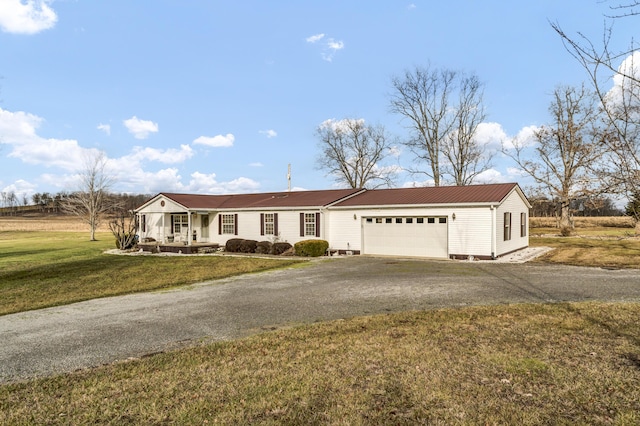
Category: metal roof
[472,194]
[261,200]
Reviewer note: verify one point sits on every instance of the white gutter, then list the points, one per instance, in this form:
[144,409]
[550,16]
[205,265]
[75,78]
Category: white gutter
[494,247]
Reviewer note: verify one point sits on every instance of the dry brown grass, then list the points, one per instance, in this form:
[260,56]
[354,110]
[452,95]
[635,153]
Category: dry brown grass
[47,223]
[517,365]
[584,222]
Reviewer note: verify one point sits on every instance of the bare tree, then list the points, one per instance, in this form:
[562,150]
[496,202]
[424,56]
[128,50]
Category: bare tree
[354,153]
[565,153]
[123,227]
[443,109]
[91,201]
[615,77]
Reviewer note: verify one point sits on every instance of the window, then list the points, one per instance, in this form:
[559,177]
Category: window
[229,224]
[398,220]
[268,224]
[523,224]
[431,220]
[507,226]
[388,220]
[143,223]
[420,220]
[180,223]
[369,220]
[378,220]
[310,224]
[442,220]
[409,220]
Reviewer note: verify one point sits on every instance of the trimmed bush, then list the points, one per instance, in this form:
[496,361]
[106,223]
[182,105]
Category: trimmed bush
[233,245]
[248,246]
[264,247]
[280,248]
[311,248]
[128,240]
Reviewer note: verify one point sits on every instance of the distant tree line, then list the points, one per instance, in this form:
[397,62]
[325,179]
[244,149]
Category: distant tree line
[44,202]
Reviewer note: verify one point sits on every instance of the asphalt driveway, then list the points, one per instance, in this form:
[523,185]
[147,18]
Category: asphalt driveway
[87,334]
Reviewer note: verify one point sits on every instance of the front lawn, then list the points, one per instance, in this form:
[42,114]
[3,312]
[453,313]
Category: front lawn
[40,269]
[575,363]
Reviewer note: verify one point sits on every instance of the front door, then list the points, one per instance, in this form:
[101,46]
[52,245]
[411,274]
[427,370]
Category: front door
[205,227]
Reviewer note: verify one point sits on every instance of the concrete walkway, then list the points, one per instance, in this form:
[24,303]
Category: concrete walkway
[88,334]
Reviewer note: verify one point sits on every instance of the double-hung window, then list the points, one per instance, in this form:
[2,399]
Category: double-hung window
[523,224]
[268,223]
[507,226]
[310,224]
[229,224]
[180,223]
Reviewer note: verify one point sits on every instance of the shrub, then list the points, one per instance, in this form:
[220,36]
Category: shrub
[126,241]
[264,247]
[280,248]
[248,246]
[233,245]
[311,248]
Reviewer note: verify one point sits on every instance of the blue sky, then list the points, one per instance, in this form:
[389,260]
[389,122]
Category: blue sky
[220,96]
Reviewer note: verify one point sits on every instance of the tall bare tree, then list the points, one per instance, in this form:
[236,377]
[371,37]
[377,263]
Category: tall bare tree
[615,77]
[442,109]
[354,153]
[91,201]
[563,159]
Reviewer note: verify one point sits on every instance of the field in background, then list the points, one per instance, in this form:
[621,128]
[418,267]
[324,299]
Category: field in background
[47,223]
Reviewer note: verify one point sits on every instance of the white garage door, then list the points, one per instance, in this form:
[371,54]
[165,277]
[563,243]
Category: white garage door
[405,236]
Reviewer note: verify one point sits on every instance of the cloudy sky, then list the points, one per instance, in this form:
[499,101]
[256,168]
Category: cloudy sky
[220,96]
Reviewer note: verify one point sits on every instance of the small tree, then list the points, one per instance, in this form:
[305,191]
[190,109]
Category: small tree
[92,200]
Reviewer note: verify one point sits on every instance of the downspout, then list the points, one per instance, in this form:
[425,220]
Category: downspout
[190,226]
[493,232]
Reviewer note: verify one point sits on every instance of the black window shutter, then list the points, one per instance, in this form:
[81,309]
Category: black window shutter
[318,225]
[275,224]
[219,224]
[302,224]
[171,224]
[235,224]
[261,223]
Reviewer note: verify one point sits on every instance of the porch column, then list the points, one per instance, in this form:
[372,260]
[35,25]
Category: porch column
[189,238]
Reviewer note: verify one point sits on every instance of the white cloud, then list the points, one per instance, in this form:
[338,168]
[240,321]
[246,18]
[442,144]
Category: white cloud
[329,47]
[269,133]
[140,129]
[219,141]
[489,176]
[207,184]
[22,189]
[315,38]
[18,130]
[257,164]
[412,6]
[626,89]
[341,125]
[105,128]
[490,135]
[26,17]
[167,156]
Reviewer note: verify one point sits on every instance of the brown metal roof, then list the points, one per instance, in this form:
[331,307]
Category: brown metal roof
[493,193]
[262,200]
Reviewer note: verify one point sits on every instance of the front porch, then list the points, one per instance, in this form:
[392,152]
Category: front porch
[179,247]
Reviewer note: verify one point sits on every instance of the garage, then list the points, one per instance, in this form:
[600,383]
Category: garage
[406,236]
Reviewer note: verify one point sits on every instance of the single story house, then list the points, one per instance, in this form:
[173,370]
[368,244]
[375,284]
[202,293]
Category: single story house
[480,221]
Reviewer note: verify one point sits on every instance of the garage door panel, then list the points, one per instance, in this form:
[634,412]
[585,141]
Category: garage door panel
[388,237]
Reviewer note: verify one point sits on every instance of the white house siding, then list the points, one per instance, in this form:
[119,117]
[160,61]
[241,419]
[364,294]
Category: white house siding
[249,226]
[470,232]
[515,205]
[344,232]
[157,219]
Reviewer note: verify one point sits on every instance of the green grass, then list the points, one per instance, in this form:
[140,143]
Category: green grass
[521,364]
[40,269]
